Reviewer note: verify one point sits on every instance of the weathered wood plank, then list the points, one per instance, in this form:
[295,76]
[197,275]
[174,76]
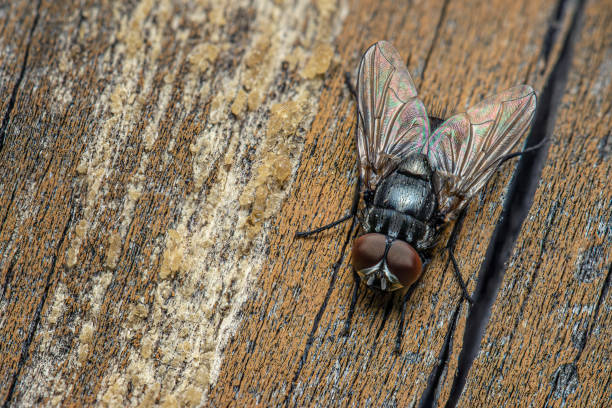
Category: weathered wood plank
[148,152]
[290,348]
[548,339]
[147,158]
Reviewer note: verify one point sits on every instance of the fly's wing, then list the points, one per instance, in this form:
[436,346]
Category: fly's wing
[466,149]
[392,121]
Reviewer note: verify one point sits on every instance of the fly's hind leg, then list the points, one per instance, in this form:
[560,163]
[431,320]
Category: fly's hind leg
[450,247]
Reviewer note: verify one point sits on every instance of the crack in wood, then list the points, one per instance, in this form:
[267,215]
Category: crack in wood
[12,100]
[435,37]
[517,204]
[602,295]
[25,348]
[317,319]
[430,396]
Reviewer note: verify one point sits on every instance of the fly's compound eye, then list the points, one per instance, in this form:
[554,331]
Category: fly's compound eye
[402,260]
[368,250]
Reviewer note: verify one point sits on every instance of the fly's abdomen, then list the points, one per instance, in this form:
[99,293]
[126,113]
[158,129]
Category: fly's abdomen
[404,204]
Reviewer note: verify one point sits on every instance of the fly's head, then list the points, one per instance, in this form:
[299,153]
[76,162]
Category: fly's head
[384,263]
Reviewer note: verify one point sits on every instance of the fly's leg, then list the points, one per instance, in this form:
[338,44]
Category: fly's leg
[451,258]
[400,328]
[302,234]
[349,84]
[353,213]
[349,318]
[450,246]
[526,150]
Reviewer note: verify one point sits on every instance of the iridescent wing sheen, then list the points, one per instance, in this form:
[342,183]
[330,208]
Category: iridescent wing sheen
[392,121]
[466,149]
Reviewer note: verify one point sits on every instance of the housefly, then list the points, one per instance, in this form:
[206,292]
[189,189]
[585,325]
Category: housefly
[413,180]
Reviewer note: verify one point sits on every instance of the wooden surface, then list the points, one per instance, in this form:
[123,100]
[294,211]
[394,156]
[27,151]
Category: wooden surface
[157,158]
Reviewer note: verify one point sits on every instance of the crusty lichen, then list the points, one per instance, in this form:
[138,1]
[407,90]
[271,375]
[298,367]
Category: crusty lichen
[243,144]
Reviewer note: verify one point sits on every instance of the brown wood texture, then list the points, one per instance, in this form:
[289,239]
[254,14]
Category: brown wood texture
[548,340]
[157,158]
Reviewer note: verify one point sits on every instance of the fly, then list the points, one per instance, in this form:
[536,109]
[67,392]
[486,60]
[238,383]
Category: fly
[414,181]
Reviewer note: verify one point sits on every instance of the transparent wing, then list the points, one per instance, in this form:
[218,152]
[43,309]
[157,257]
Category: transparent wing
[392,121]
[467,148]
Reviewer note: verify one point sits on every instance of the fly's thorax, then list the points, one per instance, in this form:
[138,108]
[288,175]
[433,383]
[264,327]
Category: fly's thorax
[416,165]
[385,263]
[409,189]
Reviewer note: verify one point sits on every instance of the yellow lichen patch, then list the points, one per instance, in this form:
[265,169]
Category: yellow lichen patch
[271,177]
[217,108]
[75,245]
[319,61]
[258,63]
[216,16]
[254,99]
[134,193]
[82,168]
[87,332]
[58,305]
[71,255]
[325,7]
[83,352]
[173,255]
[256,57]
[113,397]
[239,104]
[294,59]
[114,250]
[284,118]
[203,55]
[150,395]
[192,396]
[137,313]
[146,347]
[81,228]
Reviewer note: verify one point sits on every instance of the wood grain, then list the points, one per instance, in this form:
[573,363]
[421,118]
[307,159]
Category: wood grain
[157,157]
[290,349]
[149,147]
[548,340]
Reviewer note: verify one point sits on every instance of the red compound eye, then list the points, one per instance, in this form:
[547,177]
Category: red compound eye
[402,259]
[404,262]
[368,250]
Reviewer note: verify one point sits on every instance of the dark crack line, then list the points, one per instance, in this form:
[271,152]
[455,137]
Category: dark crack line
[516,207]
[25,348]
[435,38]
[8,207]
[430,396]
[602,296]
[9,275]
[319,315]
[12,100]
[553,31]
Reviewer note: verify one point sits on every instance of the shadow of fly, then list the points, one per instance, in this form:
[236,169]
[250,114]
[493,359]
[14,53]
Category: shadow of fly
[414,181]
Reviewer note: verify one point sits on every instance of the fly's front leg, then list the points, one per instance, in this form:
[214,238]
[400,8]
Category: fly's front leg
[347,217]
[400,328]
